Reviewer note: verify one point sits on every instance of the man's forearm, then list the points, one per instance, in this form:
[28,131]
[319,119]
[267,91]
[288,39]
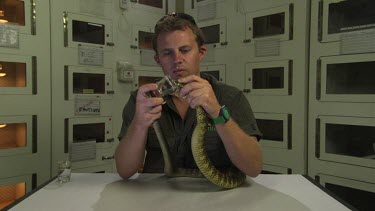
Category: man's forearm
[130,152]
[243,150]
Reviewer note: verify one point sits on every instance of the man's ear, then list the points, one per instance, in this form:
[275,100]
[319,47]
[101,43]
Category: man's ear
[156,58]
[202,52]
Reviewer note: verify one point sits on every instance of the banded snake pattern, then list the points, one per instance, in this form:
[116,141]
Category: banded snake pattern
[228,179]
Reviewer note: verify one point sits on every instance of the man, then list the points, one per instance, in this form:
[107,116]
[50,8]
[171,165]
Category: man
[230,141]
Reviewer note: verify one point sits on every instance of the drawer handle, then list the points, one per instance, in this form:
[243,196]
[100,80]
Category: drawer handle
[108,157]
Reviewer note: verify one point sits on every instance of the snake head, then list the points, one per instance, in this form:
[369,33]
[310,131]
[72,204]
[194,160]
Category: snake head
[167,86]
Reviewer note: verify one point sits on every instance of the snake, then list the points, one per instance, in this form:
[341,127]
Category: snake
[227,179]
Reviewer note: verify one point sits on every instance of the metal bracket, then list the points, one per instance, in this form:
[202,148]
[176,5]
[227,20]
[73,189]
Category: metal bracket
[289,126]
[110,44]
[320,21]
[317,138]
[33,17]
[34,66]
[34,134]
[290,80]
[318,79]
[110,140]
[246,41]
[246,90]
[291,17]
[224,43]
[65,26]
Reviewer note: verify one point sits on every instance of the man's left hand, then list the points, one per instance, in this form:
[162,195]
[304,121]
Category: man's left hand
[199,92]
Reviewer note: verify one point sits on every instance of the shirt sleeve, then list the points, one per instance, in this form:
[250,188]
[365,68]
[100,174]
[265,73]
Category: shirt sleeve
[127,115]
[240,111]
[243,115]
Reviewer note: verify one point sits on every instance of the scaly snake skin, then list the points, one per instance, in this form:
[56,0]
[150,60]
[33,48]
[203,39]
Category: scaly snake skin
[228,179]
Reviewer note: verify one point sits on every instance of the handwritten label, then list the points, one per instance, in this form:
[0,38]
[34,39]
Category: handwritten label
[9,36]
[90,55]
[87,105]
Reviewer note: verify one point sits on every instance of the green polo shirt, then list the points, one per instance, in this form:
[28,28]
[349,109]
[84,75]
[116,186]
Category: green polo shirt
[178,132]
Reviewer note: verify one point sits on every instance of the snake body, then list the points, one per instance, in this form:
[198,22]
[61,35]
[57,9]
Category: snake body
[228,179]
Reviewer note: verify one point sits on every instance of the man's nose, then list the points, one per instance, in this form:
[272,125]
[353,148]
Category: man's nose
[177,57]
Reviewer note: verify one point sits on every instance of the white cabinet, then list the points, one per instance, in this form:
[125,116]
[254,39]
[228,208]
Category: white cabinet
[270,23]
[341,114]
[88,81]
[346,78]
[14,188]
[87,30]
[25,97]
[275,128]
[215,32]
[218,71]
[358,194]
[17,135]
[346,140]
[82,52]
[18,74]
[269,78]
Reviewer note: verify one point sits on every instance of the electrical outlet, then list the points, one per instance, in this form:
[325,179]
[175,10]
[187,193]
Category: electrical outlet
[125,71]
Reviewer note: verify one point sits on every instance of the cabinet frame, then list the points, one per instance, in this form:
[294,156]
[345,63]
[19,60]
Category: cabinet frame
[321,80]
[222,22]
[287,65]
[30,74]
[136,5]
[287,133]
[108,137]
[220,68]
[288,21]
[346,182]
[108,83]
[68,18]
[341,120]
[323,35]
[31,145]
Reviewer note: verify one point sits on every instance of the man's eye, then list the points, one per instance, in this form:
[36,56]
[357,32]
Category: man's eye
[166,53]
[184,50]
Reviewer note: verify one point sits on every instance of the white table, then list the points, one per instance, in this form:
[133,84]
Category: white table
[108,192]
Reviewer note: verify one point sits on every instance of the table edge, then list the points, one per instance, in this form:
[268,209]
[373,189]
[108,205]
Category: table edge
[315,183]
[330,193]
[17,201]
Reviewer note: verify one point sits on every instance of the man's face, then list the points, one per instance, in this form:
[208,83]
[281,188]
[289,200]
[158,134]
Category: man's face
[179,54]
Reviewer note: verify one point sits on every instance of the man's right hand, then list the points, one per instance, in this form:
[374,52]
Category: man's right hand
[148,109]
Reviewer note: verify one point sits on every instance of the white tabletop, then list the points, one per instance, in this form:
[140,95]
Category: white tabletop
[108,192]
